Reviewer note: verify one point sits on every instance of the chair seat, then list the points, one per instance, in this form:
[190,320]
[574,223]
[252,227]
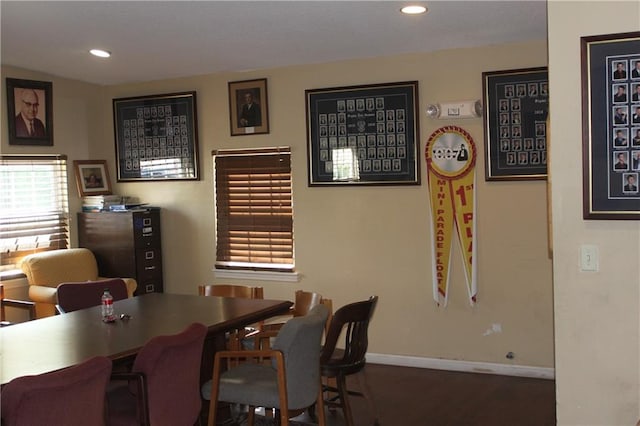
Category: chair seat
[261,390]
[336,365]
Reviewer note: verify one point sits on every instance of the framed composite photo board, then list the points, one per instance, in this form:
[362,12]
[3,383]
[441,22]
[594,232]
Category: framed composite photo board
[363,135]
[515,123]
[156,137]
[611,126]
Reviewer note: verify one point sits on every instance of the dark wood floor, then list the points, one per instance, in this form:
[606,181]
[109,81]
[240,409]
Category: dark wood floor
[406,396]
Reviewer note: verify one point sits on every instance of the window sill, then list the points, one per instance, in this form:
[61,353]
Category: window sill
[292,277]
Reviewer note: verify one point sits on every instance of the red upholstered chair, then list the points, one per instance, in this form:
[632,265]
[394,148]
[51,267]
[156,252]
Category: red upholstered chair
[163,387]
[74,396]
[81,295]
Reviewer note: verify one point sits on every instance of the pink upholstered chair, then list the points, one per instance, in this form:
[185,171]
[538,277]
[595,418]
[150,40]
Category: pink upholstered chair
[74,396]
[163,388]
[81,295]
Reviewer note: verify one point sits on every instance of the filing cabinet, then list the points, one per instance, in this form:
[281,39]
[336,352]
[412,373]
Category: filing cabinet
[126,244]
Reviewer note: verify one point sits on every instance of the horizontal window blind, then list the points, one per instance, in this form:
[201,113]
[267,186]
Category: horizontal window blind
[254,212]
[34,214]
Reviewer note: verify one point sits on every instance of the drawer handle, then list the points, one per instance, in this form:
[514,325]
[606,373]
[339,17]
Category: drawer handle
[149,268]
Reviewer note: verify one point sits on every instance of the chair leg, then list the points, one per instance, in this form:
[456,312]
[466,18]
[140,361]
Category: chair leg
[368,396]
[251,416]
[215,389]
[319,407]
[344,399]
[284,417]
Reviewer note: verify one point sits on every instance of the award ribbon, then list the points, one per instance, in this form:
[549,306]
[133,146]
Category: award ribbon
[451,156]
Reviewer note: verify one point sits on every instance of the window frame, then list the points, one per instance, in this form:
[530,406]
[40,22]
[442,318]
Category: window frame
[253,202]
[47,222]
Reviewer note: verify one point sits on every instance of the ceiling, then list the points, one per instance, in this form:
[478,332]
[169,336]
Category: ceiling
[153,40]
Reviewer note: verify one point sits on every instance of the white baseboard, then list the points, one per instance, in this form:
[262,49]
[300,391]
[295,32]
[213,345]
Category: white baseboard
[463,366]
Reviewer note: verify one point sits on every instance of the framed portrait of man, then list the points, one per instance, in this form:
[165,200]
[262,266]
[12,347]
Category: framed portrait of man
[248,107]
[30,112]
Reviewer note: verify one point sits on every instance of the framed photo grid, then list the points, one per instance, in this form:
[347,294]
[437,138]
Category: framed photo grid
[156,137]
[515,123]
[363,135]
[30,112]
[611,126]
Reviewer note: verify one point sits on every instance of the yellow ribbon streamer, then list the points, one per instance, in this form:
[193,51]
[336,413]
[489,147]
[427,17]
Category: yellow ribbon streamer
[451,155]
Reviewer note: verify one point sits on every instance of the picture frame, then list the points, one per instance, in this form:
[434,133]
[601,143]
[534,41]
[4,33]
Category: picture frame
[516,106]
[92,177]
[363,135]
[30,112]
[156,137]
[611,125]
[248,107]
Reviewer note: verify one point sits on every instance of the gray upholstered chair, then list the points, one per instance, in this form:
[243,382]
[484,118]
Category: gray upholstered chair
[290,383]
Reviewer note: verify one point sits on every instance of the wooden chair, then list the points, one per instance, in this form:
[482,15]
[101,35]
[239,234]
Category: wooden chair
[163,387]
[290,383]
[12,303]
[234,339]
[228,290]
[304,302]
[352,322]
[73,396]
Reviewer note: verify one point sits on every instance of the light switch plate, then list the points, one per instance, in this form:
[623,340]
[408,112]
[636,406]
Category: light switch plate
[588,258]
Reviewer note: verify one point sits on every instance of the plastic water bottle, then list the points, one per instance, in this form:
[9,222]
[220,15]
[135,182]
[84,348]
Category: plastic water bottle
[107,307]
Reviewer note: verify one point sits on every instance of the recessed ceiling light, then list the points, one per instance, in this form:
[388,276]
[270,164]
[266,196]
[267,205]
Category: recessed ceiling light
[413,10]
[100,53]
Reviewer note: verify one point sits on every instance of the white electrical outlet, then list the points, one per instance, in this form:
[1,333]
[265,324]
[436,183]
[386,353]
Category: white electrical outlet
[588,258]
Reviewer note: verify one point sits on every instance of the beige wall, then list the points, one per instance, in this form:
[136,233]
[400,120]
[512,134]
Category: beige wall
[596,314]
[352,242]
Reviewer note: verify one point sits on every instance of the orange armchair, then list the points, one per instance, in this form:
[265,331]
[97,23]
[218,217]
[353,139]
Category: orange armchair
[46,270]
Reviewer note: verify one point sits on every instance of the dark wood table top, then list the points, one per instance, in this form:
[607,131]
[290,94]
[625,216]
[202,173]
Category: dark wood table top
[52,343]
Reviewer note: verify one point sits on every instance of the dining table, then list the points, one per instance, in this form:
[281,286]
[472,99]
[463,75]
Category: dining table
[60,341]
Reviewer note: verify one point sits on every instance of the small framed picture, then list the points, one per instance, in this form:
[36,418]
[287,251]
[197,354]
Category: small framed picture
[30,110]
[248,107]
[92,177]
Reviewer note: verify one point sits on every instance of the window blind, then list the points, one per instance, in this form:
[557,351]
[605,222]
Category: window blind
[34,213]
[254,212]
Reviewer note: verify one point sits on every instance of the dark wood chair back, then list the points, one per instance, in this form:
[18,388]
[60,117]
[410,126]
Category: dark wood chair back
[351,321]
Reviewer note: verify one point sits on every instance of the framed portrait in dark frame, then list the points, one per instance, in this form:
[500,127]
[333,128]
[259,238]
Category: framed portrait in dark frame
[30,112]
[248,107]
[610,125]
